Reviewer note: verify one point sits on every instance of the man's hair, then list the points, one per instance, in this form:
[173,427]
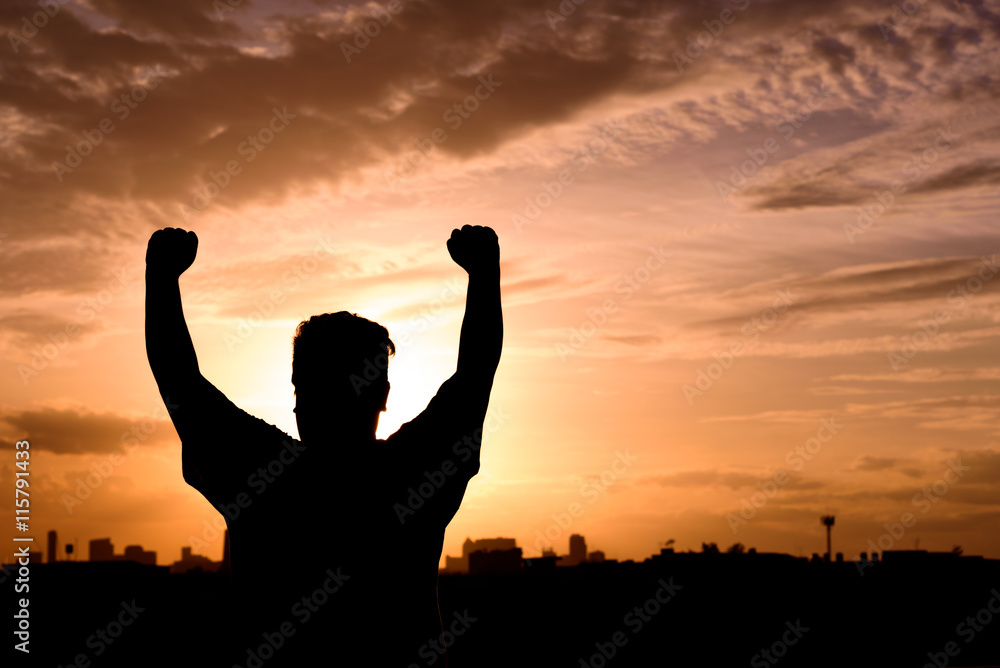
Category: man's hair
[340,353]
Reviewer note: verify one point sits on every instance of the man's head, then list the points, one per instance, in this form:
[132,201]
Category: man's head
[339,370]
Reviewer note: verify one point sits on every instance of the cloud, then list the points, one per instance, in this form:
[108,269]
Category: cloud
[733,480]
[871,463]
[926,375]
[221,78]
[184,18]
[954,412]
[76,431]
[856,288]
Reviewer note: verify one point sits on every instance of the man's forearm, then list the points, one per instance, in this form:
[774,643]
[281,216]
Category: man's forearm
[482,327]
[168,343]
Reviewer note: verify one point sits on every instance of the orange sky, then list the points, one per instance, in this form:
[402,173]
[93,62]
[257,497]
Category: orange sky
[676,333]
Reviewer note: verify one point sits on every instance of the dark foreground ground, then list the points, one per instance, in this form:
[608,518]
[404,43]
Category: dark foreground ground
[693,609]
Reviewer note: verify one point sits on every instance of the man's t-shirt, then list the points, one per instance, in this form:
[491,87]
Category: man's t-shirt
[334,546]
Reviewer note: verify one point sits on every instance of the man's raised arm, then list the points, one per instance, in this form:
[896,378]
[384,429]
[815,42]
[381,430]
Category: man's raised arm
[168,343]
[477,250]
[219,441]
[196,407]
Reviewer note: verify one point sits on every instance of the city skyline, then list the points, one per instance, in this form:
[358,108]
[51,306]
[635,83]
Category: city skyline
[106,552]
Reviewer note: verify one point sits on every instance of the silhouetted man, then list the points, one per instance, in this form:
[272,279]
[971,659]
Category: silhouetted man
[327,565]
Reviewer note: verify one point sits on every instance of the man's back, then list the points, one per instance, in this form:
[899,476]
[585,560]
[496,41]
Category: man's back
[327,550]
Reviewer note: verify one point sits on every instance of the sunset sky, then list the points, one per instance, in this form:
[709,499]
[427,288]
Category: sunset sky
[323,170]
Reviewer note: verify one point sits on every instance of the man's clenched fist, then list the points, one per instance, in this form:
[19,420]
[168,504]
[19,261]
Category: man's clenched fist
[171,251]
[475,248]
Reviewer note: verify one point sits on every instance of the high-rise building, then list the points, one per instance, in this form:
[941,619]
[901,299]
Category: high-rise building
[101,549]
[53,547]
[577,550]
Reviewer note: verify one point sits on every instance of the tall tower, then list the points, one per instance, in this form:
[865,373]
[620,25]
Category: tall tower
[53,547]
[577,549]
[827,521]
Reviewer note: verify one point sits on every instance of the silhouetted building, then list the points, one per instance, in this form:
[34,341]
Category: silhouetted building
[53,547]
[545,562]
[101,549]
[195,562]
[596,557]
[35,557]
[137,554]
[577,550]
[907,557]
[462,564]
[495,561]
